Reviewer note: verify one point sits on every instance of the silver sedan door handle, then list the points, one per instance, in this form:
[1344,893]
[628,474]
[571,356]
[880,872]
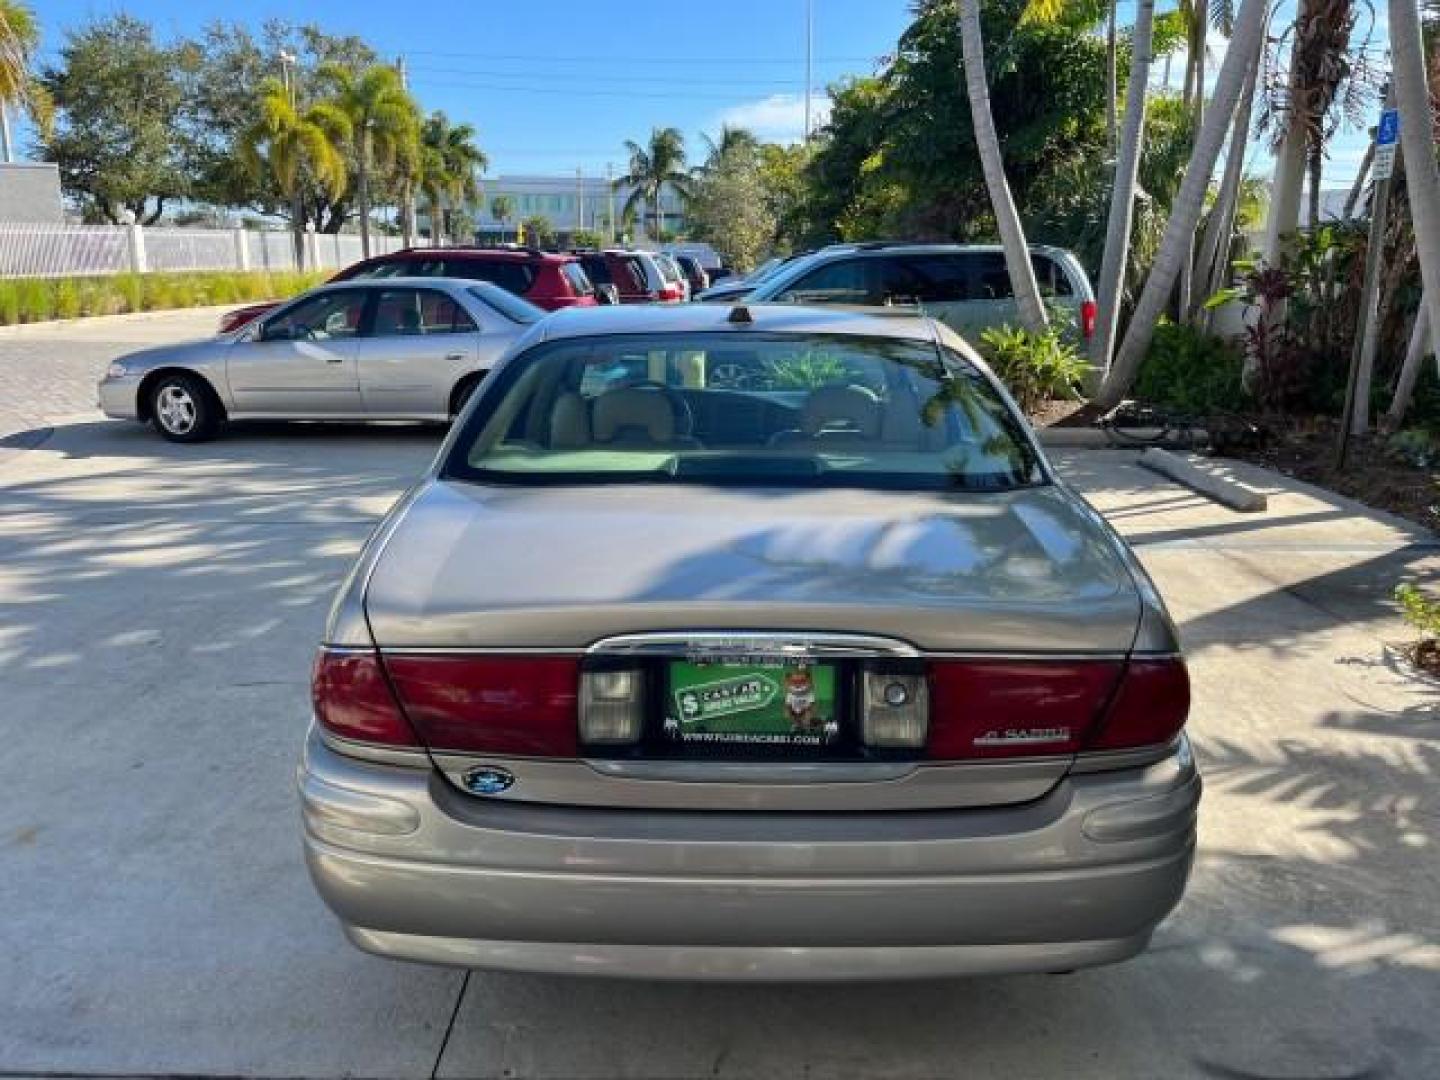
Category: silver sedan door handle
[455,356]
[334,359]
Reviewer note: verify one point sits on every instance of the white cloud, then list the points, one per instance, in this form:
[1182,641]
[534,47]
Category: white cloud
[777,118]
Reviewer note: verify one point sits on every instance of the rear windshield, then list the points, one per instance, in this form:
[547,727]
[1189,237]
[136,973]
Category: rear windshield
[596,269]
[745,409]
[509,305]
[575,275]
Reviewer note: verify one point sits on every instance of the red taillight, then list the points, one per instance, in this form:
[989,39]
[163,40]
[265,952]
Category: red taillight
[353,700]
[491,704]
[671,293]
[1005,708]
[1087,318]
[1150,707]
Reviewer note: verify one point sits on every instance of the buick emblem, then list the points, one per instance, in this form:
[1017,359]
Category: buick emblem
[488,780]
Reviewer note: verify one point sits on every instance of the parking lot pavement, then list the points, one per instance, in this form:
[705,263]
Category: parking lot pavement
[158,607]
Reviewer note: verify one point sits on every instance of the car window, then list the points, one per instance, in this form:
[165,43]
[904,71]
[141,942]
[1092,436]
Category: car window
[515,277]
[1050,276]
[937,279]
[845,281]
[328,316]
[639,280]
[414,312]
[743,409]
[512,307]
[579,281]
[597,269]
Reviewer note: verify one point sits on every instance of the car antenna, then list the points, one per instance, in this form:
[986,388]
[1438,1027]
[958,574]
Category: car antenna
[740,314]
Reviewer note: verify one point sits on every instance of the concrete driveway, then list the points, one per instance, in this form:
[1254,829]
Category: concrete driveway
[158,607]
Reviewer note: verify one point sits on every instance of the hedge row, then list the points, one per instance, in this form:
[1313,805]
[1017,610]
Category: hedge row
[25,300]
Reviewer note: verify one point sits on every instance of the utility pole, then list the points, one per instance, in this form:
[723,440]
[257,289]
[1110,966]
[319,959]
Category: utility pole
[809,59]
[610,184]
[7,152]
[1355,420]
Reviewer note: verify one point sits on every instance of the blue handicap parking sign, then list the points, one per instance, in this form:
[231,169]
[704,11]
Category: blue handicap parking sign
[1388,130]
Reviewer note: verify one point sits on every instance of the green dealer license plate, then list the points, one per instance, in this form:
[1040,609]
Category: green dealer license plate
[775,703]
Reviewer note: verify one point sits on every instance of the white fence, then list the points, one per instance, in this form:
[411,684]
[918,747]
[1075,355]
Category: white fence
[72,250]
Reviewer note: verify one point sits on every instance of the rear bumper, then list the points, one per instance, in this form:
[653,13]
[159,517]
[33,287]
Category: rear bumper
[418,871]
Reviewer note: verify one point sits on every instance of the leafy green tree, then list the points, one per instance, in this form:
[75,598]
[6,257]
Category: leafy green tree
[538,231]
[502,209]
[19,39]
[654,167]
[450,166]
[118,139]
[729,208]
[731,139]
[384,123]
[288,145]
[586,238]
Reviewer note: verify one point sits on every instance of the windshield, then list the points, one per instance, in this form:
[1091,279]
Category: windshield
[744,409]
[508,304]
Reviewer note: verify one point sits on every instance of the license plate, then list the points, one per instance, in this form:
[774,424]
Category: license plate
[779,703]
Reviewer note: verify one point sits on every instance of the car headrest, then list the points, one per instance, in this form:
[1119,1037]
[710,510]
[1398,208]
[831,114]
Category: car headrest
[854,406]
[634,412]
[569,422]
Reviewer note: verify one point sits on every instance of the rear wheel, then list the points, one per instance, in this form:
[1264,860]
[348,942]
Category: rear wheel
[463,392]
[183,409]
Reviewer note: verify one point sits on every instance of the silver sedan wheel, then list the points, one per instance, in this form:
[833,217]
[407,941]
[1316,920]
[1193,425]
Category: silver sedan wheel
[176,410]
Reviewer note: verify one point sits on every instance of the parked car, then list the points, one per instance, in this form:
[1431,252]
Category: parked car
[622,269]
[393,349]
[662,277]
[964,285]
[547,280]
[694,273]
[737,287]
[653,677]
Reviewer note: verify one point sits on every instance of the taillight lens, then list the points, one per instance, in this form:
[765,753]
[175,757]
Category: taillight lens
[518,705]
[612,705]
[1087,318]
[1016,708]
[1150,707]
[671,293]
[353,700]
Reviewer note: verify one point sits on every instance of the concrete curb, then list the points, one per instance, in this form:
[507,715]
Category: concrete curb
[216,310]
[1223,490]
[1078,438]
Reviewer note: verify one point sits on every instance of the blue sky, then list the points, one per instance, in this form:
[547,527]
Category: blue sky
[560,84]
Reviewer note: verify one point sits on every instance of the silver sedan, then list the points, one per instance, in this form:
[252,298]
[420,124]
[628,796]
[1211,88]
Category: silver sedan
[395,349]
[822,676]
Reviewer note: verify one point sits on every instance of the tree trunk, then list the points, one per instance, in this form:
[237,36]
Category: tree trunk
[1007,219]
[1420,343]
[362,188]
[1417,139]
[1112,121]
[1284,216]
[1215,242]
[1189,202]
[297,218]
[1202,41]
[1359,186]
[1122,191]
[1316,169]
[407,215]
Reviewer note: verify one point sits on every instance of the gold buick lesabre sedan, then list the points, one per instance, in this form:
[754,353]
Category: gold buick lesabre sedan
[748,643]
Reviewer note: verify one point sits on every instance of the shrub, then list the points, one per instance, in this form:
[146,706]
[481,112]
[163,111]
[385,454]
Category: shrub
[1420,611]
[1034,367]
[25,300]
[1191,372]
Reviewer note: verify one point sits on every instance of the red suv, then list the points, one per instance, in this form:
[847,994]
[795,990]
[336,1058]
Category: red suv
[547,280]
[624,270]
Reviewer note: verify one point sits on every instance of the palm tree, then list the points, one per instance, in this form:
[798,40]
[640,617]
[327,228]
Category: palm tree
[502,209]
[1417,138]
[987,142]
[732,140]
[383,120]
[450,161]
[1122,191]
[1216,240]
[652,169]
[1189,204]
[291,146]
[19,38]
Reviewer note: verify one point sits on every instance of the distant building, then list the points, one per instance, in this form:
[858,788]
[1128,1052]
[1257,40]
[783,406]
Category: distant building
[569,203]
[30,192]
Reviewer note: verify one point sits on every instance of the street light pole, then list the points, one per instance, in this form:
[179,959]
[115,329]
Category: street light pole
[809,60]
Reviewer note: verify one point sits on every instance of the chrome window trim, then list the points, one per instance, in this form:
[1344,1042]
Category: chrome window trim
[749,643]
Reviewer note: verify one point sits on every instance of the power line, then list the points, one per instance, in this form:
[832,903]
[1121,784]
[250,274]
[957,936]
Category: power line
[573,93]
[664,80]
[610,58]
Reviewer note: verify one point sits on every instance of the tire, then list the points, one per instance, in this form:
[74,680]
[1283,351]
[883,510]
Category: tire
[183,408]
